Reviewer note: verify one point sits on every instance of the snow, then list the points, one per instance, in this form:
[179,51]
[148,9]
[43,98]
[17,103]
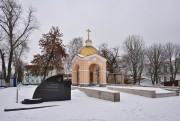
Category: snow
[84,108]
[157,90]
[1,87]
[80,55]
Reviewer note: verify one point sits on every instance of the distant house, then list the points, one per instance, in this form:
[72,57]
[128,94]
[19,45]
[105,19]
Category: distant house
[31,78]
[166,77]
[164,74]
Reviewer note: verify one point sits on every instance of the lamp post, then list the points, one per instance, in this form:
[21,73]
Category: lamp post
[16,90]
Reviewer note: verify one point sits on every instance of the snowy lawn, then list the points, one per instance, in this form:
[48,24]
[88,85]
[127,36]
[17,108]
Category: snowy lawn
[83,108]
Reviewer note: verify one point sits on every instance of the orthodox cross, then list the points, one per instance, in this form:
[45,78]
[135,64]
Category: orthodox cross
[88,33]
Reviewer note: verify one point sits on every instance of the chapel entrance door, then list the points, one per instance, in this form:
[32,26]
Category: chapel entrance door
[91,77]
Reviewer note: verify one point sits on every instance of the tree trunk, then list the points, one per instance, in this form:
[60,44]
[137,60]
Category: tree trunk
[3,65]
[154,79]
[8,84]
[44,76]
[9,67]
[151,77]
[139,78]
[135,77]
[156,74]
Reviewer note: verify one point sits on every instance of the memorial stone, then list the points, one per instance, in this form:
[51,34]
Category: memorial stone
[54,88]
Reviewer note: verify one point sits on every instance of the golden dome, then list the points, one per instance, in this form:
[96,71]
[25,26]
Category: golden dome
[88,50]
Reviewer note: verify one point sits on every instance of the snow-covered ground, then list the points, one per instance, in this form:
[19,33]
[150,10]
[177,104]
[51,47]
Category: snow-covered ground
[83,108]
[1,87]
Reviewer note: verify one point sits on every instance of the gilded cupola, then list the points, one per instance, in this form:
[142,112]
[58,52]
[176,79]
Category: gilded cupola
[88,49]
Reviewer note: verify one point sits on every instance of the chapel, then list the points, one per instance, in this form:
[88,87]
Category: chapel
[88,66]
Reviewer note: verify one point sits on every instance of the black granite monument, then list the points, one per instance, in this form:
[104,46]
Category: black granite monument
[54,88]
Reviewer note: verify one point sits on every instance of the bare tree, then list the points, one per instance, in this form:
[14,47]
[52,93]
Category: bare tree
[125,64]
[0,54]
[141,64]
[172,52]
[134,51]
[155,58]
[16,29]
[73,47]
[3,63]
[3,51]
[1,36]
[19,53]
[112,56]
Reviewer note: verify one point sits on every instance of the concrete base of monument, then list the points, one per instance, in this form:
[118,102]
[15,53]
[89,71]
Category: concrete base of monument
[145,91]
[92,84]
[75,84]
[83,85]
[101,93]
[87,85]
[102,85]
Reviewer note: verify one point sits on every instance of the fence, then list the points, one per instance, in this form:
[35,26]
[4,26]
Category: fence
[115,78]
[12,82]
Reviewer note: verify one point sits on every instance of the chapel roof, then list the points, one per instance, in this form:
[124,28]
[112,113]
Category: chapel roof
[88,49]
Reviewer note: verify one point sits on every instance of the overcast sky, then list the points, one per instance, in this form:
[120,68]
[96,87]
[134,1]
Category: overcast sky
[111,21]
